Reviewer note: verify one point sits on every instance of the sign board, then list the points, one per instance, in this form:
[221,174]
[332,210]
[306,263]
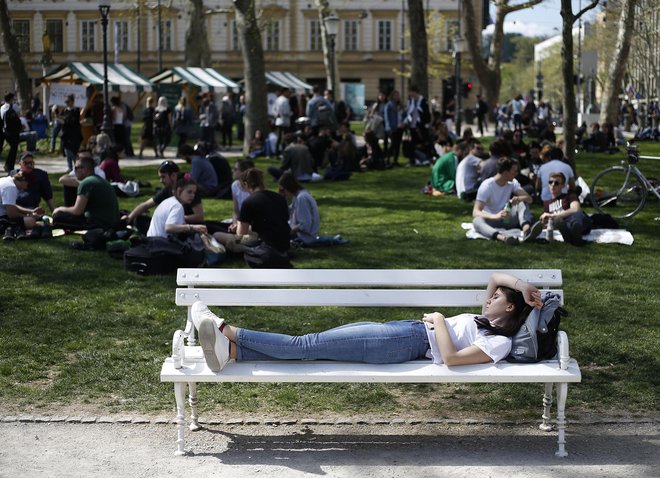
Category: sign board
[59,92]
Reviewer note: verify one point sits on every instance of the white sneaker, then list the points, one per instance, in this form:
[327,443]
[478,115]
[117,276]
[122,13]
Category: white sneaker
[214,345]
[199,312]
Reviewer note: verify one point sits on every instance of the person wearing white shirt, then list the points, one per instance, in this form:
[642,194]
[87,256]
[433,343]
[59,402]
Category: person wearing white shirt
[169,216]
[461,340]
[283,113]
[503,204]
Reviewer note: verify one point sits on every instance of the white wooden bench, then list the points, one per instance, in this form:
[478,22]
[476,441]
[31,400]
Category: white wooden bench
[428,289]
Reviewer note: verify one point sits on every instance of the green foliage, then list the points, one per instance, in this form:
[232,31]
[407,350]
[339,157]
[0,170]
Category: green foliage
[78,330]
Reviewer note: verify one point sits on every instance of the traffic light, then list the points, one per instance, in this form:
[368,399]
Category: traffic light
[467,87]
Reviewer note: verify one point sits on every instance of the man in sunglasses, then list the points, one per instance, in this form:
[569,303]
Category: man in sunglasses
[562,211]
[168,174]
[39,186]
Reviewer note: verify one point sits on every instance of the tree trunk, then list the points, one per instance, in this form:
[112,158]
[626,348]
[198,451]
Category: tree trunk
[197,45]
[249,35]
[329,53]
[569,106]
[567,71]
[419,54]
[16,64]
[610,99]
[488,71]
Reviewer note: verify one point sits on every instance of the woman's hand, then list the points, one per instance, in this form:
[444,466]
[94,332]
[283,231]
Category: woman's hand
[530,293]
[430,318]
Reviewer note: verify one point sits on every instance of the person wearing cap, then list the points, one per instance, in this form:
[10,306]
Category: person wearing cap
[201,168]
[39,186]
[168,175]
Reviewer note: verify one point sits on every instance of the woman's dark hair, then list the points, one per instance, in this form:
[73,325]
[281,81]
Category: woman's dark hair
[185,180]
[253,178]
[244,164]
[289,183]
[514,320]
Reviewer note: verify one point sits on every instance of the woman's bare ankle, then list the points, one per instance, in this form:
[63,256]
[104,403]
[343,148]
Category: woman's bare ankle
[229,331]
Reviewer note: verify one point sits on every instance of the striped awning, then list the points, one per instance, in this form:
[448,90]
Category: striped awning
[207,79]
[120,77]
[288,80]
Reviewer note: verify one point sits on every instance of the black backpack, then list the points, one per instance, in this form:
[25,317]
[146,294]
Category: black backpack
[537,338]
[325,116]
[164,255]
[12,127]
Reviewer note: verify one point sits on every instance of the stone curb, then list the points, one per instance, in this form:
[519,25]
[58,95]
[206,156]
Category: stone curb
[123,420]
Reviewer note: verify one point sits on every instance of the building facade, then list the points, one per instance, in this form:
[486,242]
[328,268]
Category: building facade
[370,48]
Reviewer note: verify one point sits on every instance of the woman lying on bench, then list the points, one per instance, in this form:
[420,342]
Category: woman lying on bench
[459,340]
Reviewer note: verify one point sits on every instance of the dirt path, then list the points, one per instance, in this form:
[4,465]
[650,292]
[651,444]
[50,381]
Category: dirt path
[397,451]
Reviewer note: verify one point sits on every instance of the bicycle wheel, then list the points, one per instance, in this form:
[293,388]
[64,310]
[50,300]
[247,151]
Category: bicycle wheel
[619,192]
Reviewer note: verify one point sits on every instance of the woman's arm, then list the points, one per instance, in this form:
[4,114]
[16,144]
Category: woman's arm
[184,228]
[530,293]
[450,356]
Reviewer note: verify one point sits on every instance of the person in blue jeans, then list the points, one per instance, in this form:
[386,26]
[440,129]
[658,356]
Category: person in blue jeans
[459,340]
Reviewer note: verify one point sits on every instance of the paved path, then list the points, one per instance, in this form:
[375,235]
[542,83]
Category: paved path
[395,451]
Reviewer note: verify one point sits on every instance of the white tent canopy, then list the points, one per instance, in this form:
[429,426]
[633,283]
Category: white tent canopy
[120,77]
[288,80]
[207,79]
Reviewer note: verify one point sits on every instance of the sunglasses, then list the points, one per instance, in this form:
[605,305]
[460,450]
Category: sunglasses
[553,183]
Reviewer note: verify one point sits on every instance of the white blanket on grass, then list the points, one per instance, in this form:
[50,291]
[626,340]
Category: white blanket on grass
[603,236]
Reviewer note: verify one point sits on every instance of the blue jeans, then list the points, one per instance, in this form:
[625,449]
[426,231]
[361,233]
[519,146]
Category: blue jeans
[368,342]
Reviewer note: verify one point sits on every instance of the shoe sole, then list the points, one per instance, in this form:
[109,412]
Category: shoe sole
[207,331]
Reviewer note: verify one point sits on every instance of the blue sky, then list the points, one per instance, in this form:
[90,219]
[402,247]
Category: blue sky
[541,19]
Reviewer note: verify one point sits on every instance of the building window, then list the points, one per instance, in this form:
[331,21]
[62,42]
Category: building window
[87,35]
[315,43]
[384,35]
[351,35]
[451,28]
[235,43]
[273,36]
[166,35]
[55,32]
[21,30]
[121,35]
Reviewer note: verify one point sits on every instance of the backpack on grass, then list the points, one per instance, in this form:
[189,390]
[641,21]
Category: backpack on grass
[537,338]
[164,255]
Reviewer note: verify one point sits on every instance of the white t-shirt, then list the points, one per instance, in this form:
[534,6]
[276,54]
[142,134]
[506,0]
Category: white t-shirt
[466,174]
[8,194]
[170,211]
[282,111]
[238,193]
[495,196]
[546,169]
[464,332]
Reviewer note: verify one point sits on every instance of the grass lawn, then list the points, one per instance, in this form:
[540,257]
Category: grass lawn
[80,333]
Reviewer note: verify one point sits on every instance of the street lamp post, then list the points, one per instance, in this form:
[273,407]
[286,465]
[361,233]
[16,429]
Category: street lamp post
[332,27]
[106,126]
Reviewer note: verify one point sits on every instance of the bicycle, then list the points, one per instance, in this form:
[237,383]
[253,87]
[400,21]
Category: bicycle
[621,191]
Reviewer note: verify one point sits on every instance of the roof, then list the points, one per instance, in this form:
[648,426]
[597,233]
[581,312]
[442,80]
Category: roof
[120,77]
[207,79]
[288,80]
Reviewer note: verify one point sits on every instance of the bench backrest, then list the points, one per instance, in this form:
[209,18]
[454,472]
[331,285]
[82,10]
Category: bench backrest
[348,287]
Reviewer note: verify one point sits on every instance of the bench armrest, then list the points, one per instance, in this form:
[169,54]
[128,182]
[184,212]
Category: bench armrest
[178,349]
[562,350]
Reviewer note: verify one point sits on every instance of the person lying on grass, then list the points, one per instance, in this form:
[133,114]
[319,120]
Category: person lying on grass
[459,340]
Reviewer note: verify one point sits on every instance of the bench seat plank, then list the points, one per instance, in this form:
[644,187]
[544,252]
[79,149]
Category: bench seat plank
[319,371]
[335,297]
[360,277]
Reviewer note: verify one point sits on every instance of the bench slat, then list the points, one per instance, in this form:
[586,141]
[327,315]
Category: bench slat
[335,297]
[360,277]
[418,371]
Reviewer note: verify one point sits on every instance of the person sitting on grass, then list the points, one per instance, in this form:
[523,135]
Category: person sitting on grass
[459,340]
[553,162]
[96,203]
[263,217]
[502,204]
[443,175]
[169,216]
[15,219]
[168,175]
[39,186]
[467,172]
[201,168]
[562,211]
